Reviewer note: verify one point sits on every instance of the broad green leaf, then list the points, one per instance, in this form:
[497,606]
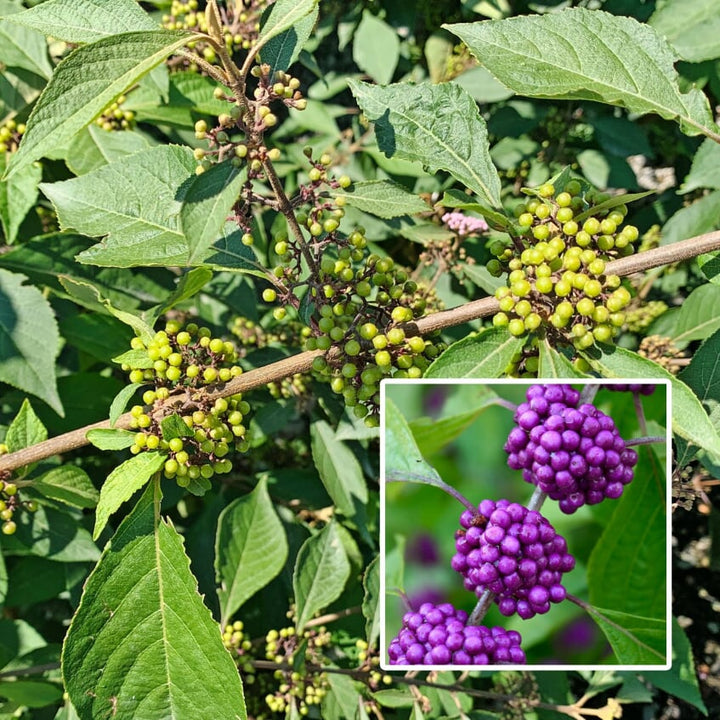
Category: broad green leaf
[698,317]
[681,679]
[558,56]
[141,641]
[194,91]
[85,83]
[135,201]
[173,427]
[25,429]
[383,198]
[283,15]
[111,439]
[68,484]
[25,317]
[51,534]
[480,84]
[436,125]
[84,21]
[458,199]
[122,483]
[135,359]
[35,579]
[21,47]
[395,698]
[376,48]
[32,693]
[635,640]
[554,364]
[692,27]
[94,147]
[479,275]
[689,421]
[702,375]
[17,198]
[371,601]
[486,354]
[627,570]
[189,285]
[208,200]
[281,51]
[321,570]
[705,168]
[433,435]
[341,701]
[250,549]
[99,336]
[701,217]
[338,468]
[119,403]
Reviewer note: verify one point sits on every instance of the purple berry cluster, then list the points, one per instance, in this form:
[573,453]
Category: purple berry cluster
[639,388]
[513,552]
[574,454]
[439,635]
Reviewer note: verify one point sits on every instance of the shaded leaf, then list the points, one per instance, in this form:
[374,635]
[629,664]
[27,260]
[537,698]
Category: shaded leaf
[17,198]
[282,50]
[68,484]
[705,168]
[691,26]
[383,198]
[376,48]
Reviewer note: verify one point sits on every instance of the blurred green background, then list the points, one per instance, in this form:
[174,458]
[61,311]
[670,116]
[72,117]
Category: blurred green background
[420,520]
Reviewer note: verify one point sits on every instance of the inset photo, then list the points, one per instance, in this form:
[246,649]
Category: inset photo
[526,524]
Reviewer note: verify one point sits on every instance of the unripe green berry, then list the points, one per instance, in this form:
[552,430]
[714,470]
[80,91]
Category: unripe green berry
[516,327]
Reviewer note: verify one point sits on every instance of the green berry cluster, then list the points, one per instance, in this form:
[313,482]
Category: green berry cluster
[638,319]
[239,647]
[10,502]
[369,661]
[10,134]
[195,430]
[115,118]
[303,690]
[557,283]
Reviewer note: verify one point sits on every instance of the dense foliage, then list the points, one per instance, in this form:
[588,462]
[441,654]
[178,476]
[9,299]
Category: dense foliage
[225,224]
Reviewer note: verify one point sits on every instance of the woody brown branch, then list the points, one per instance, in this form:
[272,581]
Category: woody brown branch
[302,362]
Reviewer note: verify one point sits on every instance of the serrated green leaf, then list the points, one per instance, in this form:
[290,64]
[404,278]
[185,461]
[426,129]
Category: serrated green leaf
[173,427]
[321,570]
[283,15]
[376,48]
[696,219]
[282,50]
[486,354]
[119,403]
[371,601]
[458,199]
[395,698]
[698,317]
[702,375]
[692,27]
[84,21]
[110,438]
[68,484]
[610,203]
[383,198]
[632,67]
[635,640]
[135,201]
[689,421]
[141,641]
[250,549]
[705,168]
[122,483]
[208,201]
[17,198]
[94,147]
[85,83]
[554,364]
[436,125]
[21,47]
[338,468]
[26,316]
[136,359]
[25,430]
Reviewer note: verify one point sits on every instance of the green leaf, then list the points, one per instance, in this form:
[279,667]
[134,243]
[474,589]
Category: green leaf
[111,439]
[26,316]
[84,21]
[189,285]
[383,198]
[173,427]
[283,15]
[122,483]
[681,679]
[700,217]
[554,364]
[705,168]
[25,429]
[136,202]
[321,570]
[692,27]
[698,317]
[371,601]
[399,698]
[21,47]
[479,275]
[458,199]
[85,83]
[627,570]
[136,359]
[338,468]
[94,147]
[689,420]
[68,484]
[436,125]
[250,549]
[208,200]
[635,640]
[486,354]
[141,641]
[100,336]
[403,460]
[702,375]
[281,51]
[17,198]
[120,401]
[632,67]
[32,693]
[376,48]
